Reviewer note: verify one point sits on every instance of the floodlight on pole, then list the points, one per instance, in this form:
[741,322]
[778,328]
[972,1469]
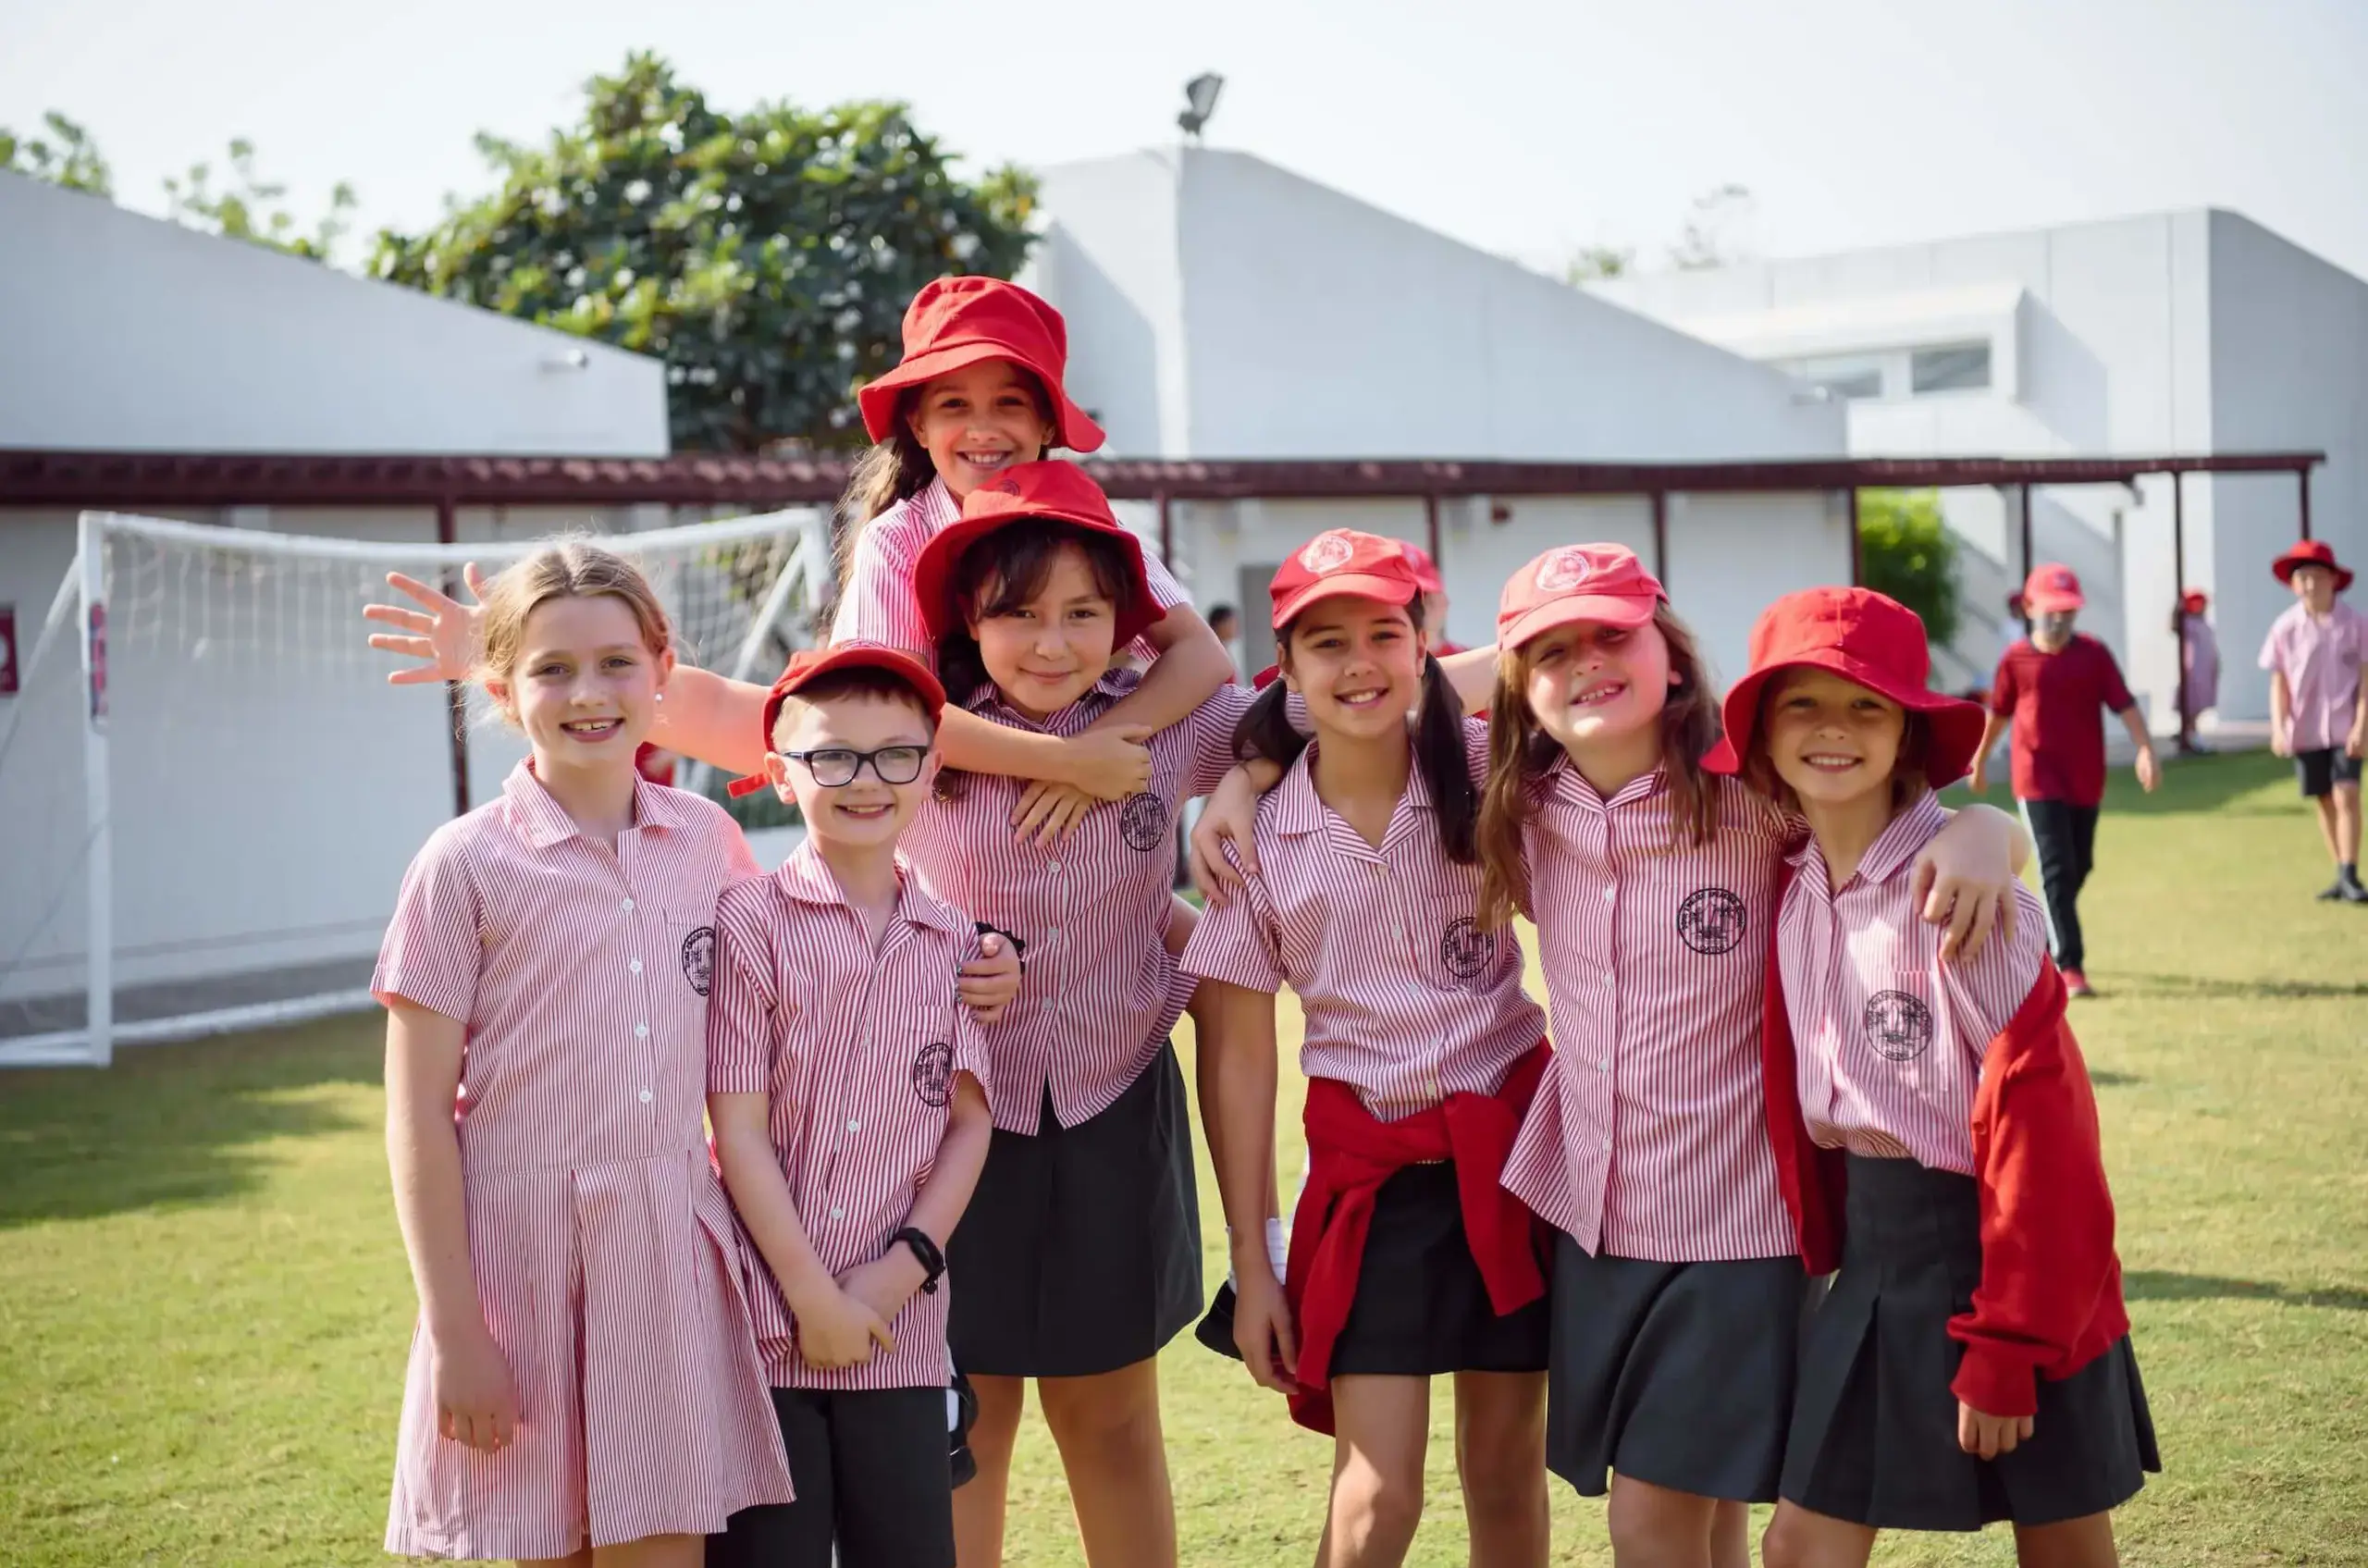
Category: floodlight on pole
[1200,102]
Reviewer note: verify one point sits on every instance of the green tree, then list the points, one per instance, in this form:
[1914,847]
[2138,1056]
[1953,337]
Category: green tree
[766,256]
[67,157]
[249,208]
[1593,264]
[1905,550]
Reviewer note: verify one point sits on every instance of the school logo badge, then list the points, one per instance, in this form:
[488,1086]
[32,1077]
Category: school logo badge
[1563,570]
[1711,920]
[1327,552]
[933,1074]
[1898,1025]
[1007,485]
[699,959]
[1144,821]
[1465,949]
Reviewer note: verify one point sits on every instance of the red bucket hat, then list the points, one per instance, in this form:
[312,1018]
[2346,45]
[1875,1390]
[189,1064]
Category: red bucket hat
[809,665]
[2051,586]
[1860,636]
[1604,582]
[1049,492]
[956,322]
[1343,562]
[2311,552]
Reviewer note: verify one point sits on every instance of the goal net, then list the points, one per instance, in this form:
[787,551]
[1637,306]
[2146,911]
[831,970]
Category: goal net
[208,791]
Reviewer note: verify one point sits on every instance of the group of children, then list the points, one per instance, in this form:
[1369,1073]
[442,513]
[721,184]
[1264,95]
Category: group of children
[1797,1030]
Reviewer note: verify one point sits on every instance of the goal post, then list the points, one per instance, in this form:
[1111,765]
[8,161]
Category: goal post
[205,816]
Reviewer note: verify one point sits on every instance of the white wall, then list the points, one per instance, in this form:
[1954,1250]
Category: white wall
[2114,351]
[1222,307]
[2290,351]
[126,333]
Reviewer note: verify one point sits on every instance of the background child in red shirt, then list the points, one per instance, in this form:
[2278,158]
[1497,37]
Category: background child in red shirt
[2049,686]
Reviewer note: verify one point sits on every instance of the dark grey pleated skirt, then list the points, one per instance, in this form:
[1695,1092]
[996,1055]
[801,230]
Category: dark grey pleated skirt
[1677,1374]
[1080,1250]
[1874,1435]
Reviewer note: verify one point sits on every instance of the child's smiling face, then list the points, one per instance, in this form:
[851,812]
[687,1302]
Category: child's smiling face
[585,687]
[1047,652]
[1358,663]
[979,420]
[1830,739]
[1589,683]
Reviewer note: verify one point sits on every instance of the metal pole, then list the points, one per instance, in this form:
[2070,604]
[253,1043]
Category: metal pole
[2179,601]
[1660,536]
[2303,475]
[2024,492]
[99,859]
[456,697]
[1431,536]
[1167,532]
[1857,554]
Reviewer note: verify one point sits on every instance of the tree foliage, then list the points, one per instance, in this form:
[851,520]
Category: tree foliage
[1905,550]
[65,156]
[766,256]
[249,209]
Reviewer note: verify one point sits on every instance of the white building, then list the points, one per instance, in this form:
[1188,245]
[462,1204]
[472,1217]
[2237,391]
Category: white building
[1220,307]
[2181,332]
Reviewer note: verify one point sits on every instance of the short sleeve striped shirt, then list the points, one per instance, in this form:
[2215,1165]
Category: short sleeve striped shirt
[1101,991]
[1405,999]
[878,603]
[1650,1139]
[1890,1041]
[858,1052]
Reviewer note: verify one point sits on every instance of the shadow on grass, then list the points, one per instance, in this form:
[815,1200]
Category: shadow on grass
[171,1124]
[2158,1285]
[2212,988]
[2106,1078]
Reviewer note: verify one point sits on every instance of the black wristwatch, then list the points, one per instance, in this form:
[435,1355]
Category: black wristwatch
[932,1261]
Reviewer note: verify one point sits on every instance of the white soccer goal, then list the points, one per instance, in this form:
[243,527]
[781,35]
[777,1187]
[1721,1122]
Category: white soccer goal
[204,819]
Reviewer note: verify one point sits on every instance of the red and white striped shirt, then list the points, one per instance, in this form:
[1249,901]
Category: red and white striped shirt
[581,973]
[858,1052]
[1405,999]
[1100,990]
[1889,1040]
[1653,1142]
[877,602]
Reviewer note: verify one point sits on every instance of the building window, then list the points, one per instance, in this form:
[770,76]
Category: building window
[1848,376]
[1958,367]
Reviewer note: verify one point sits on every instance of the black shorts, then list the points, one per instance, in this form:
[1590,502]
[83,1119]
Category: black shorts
[872,1483]
[1080,1250]
[2322,769]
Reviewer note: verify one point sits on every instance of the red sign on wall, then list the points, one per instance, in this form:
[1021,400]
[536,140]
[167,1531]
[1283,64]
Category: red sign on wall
[7,651]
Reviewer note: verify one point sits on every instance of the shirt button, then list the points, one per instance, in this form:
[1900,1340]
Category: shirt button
[628,905]
[1607,895]
[635,966]
[1603,1064]
[645,1096]
[1055,933]
[838,1213]
[641,1031]
[1055,867]
[854,1126]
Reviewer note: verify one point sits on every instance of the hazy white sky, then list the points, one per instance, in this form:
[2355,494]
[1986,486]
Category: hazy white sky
[1527,127]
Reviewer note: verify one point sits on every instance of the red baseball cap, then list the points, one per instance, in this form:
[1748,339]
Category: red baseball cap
[811,664]
[1426,571]
[1342,562]
[1604,582]
[2311,552]
[1860,636]
[2193,602]
[2051,586]
[956,322]
[1051,491]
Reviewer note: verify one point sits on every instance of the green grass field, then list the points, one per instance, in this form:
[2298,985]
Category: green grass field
[203,1304]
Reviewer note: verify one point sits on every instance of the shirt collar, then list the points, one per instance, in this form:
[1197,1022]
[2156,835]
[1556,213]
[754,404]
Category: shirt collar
[936,506]
[1563,780]
[808,878]
[547,821]
[1116,683]
[1893,850]
[1294,807]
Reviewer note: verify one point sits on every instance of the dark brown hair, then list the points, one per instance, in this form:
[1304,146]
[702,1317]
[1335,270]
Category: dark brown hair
[1267,731]
[1520,752]
[1000,572]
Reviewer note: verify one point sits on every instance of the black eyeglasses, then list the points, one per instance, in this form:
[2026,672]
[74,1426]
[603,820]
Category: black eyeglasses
[835,766]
